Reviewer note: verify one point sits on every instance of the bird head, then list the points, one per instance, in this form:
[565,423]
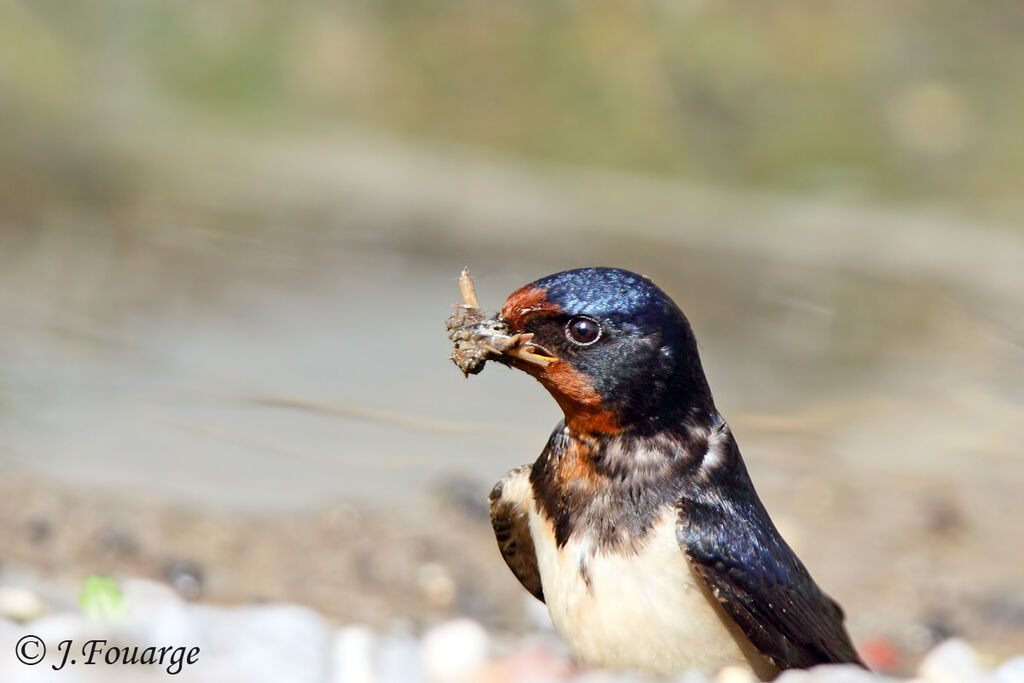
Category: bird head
[613,349]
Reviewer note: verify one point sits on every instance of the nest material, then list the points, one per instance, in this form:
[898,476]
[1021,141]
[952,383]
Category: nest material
[478,338]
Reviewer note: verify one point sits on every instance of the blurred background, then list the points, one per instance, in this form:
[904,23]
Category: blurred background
[230,234]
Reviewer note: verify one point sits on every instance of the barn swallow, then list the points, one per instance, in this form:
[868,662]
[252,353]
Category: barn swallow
[638,525]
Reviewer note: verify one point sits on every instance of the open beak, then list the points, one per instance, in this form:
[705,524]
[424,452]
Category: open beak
[531,353]
[478,338]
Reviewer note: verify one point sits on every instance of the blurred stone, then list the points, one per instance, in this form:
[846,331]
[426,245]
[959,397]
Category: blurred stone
[435,585]
[399,659]
[1010,672]
[145,597]
[830,673]
[156,612]
[20,604]
[453,651]
[186,577]
[954,661]
[252,644]
[353,655]
[794,676]
[735,674]
[262,643]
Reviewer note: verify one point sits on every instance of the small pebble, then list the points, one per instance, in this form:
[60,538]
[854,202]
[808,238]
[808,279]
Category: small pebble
[436,585]
[156,613]
[454,650]
[399,659]
[262,643]
[20,604]
[735,674]
[353,655]
[953,661]
[1010,672]
[186,577]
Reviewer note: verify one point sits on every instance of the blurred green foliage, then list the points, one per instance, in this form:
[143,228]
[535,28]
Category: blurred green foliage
[909,100]
[101,599]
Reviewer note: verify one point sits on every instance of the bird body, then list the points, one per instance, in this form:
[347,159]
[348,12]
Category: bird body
[638,525]
[652,593]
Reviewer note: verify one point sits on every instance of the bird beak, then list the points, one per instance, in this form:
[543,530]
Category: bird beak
[531,353]
[478,338]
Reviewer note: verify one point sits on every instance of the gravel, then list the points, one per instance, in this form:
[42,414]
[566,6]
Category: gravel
[284,642]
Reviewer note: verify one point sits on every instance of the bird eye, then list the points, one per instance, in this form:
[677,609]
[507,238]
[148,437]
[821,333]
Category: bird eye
[583,331]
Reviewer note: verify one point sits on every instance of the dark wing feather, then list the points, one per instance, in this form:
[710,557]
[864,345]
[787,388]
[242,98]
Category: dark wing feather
[734,546]
[510,501]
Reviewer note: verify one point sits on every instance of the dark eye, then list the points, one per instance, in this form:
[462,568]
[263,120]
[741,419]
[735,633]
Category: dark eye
[583,331]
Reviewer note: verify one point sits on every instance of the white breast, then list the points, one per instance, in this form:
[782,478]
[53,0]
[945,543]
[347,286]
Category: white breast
[645,612]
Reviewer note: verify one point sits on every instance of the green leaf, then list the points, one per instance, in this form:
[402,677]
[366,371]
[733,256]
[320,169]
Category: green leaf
[101,598]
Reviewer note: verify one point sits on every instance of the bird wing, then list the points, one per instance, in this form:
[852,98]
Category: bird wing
[734,546]
[510,503]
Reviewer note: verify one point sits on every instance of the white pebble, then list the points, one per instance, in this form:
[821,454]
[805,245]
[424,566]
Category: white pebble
[453,651]
[261,643]
[735,674]
[399,659]
[794,676]
[353,655]
[1010,672]
[952,661]
[831,673]
[156,613]
[20,604]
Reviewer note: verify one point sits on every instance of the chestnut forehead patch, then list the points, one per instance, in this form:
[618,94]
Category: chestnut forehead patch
[525,302]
